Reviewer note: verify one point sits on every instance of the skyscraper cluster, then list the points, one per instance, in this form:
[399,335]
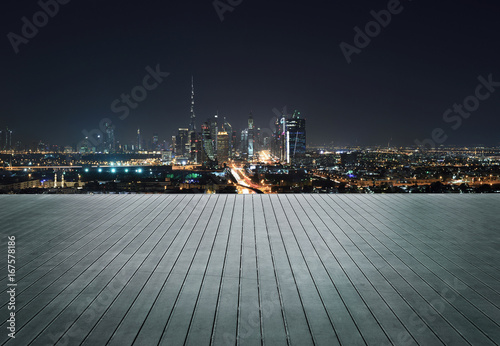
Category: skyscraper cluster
[213,144]
[217,142]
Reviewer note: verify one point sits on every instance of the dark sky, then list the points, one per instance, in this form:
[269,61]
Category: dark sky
[263,55]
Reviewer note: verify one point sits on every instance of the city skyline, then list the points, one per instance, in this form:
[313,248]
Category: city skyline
[397,87]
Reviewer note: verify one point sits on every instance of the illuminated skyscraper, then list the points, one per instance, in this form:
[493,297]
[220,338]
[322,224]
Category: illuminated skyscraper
[109,140]
[295,138]
[214,130]
[208,154]
[229,130]
[250,137]
[156,142]
[289,139]
[222,147]
[244,142]
[194,146]
[174,145]
[182,143]
[139,140]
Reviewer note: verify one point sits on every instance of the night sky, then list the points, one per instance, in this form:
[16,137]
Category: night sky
[263,55]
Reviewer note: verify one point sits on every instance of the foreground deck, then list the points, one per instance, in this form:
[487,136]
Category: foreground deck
[252,270]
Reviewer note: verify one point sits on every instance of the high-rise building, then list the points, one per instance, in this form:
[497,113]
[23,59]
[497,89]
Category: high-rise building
[214,130]
[234,143]
[208,154]
[166,157]
[109,140]
[194,138]
[289,139]
[139,140]
[156,142]
[244,143]
[174,145]
[251,137]
[6,139]
[295,138]
[222,147]
[182,143]
[257,142]
[229,130]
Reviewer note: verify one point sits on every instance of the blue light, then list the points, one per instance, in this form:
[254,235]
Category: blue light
[86,170]
[139,170]
[126,170]
[113,170]
[99,170]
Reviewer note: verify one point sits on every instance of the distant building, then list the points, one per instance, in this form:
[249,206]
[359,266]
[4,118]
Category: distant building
[222,147]
[166,156]
[279,145]
[156,142]
[214,130]
[295,138]
[289,140]
[182,143]
[244,143]
[174,145]
[139,140]
[6,139]
[109,141]
[251,138]
[229,130]
[208,154]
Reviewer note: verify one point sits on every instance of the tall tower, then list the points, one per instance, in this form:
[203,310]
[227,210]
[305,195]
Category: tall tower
[110,142]
[214,130]
[295,138]
[6,139]
[139,140]
[222,147]
[192,124]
